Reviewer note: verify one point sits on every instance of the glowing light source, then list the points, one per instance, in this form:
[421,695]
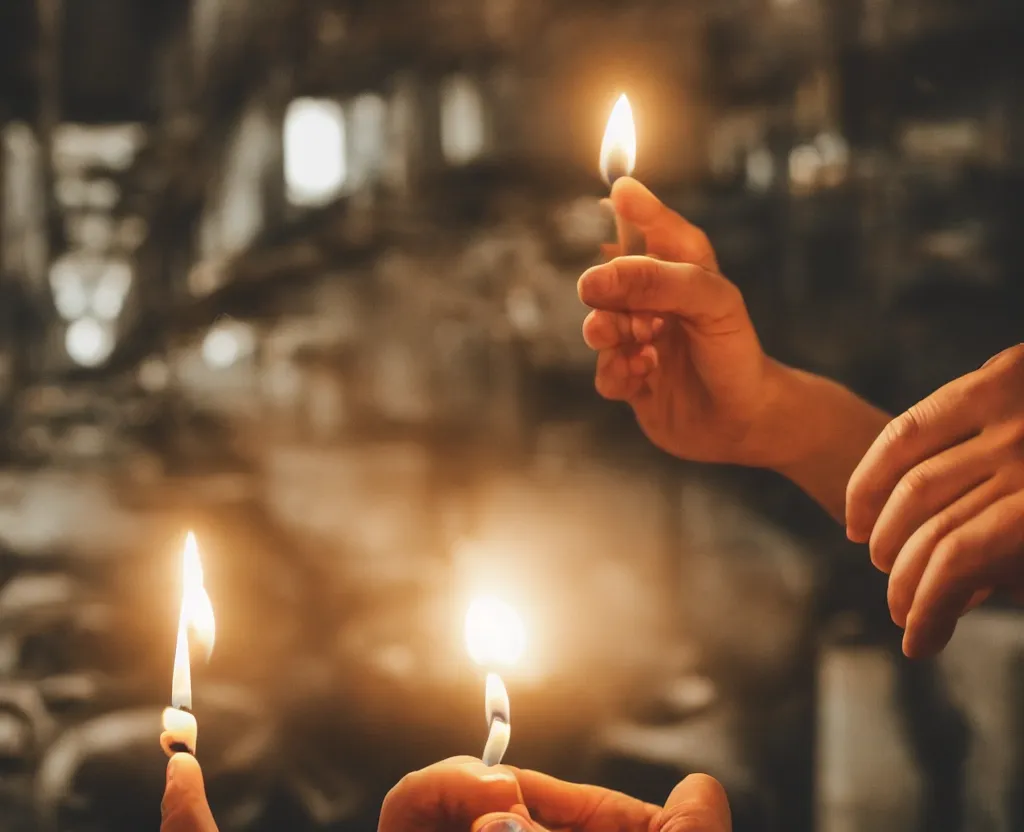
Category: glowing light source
[618,148]
[195,620]
[495,636]
[196,627]
[314,151]
[88,342]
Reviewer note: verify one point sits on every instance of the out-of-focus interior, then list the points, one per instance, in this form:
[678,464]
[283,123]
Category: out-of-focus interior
[300,276]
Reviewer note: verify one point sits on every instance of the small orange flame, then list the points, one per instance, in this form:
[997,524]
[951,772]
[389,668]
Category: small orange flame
[618,148]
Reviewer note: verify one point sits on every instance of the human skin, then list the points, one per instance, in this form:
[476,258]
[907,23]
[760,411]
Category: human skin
[464,794]
[937,492]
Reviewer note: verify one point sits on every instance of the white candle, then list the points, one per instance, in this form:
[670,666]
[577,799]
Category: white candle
[495,637]
[195,624]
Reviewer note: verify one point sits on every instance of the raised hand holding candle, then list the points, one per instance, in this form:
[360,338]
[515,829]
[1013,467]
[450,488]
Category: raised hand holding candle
[618,159]
[495,637]
[195,622]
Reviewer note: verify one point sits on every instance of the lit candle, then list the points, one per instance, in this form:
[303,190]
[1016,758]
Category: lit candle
[195,621]
[495,638]
[618,159]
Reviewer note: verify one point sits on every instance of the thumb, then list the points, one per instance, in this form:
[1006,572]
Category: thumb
[698,804]
[184,807]
[669,236]
[515,820]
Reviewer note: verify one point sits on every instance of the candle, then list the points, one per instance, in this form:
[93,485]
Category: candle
[195,622]
[495,638]
[618,159]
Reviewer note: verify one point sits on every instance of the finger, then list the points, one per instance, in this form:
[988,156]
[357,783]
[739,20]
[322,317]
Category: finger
[555,803]
[984,552]
[927,489]
[699,804]
[603,330]
[669,236]
[609,251]
[517,820]
[641,284]
[947,417]
[184,807]
[913,558]
[621,375]
[453,794]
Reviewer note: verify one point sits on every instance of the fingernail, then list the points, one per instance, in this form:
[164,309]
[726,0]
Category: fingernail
[503,825]
[657,325]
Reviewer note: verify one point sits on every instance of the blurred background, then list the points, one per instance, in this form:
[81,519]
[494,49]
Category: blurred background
[300,275]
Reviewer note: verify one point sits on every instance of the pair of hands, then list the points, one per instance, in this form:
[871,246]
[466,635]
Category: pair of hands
[463,794]
[938,492]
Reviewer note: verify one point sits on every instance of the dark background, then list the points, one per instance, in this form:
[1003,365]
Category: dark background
[300,276]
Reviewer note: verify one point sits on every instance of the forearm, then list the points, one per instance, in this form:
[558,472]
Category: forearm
[826,431]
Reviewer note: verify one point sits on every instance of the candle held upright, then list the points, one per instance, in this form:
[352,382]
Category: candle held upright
[618,159]
[495,637]
[196,626]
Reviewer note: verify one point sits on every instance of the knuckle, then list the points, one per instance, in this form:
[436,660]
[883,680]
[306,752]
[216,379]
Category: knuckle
[648,276]
[1009,360]
[903,428]
[984,388]
[916,483]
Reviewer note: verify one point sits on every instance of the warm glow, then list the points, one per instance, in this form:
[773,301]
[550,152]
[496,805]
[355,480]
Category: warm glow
[195,622]
[495,635]
[618,149]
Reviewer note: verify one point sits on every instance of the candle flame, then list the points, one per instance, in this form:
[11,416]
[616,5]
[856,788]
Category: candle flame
[499,724]
[195,621]
[618,148]
[495,635]
[496,702]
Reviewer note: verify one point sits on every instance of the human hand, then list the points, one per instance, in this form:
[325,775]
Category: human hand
[464,794]
[184,807]
[940,499]
[674,340]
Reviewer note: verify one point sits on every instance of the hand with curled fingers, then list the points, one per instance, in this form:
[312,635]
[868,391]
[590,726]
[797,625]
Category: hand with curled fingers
[675,342]
[939,497]
[674,339]
[464,795]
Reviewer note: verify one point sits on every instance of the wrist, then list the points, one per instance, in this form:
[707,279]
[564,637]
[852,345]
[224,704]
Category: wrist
[783,438]
[817,431]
